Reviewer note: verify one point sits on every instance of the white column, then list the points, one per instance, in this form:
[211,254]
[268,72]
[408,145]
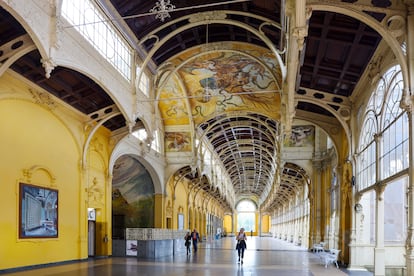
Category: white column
[354,256]
[317,202]
[409,243]
[409,255]
[379,251]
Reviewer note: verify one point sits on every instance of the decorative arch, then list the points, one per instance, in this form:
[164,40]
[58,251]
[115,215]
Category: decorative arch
[341,120]
[129,146]
[36,169]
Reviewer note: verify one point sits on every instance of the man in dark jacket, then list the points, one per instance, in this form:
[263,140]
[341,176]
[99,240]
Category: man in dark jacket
[195,237]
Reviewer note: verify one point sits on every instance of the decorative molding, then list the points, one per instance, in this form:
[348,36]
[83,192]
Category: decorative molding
[161,9]
[28,174]
[97,145]
[300,33]
[407,103]
[206,16]
[358,208]
[168,209]
[374,69]
[49,65]
[43,98]
[213,46]
[95,193]
[396,25]
[56,37]
[345,113]
[379,190]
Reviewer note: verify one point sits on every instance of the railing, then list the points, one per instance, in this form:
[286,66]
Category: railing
[145,234]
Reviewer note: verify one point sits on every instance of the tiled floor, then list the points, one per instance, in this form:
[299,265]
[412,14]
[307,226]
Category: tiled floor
[264,256]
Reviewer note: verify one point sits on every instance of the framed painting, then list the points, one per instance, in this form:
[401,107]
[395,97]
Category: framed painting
[38,207]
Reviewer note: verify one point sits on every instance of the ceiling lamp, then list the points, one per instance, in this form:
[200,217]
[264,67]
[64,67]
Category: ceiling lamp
[162,8]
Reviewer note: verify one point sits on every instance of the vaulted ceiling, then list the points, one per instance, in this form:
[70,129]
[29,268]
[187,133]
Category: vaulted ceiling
[336,53]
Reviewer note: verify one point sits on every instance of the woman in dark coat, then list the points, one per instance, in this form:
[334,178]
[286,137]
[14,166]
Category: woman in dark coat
[241,244]
[188,242]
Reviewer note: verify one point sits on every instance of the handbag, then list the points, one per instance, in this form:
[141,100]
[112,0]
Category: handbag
[237,245]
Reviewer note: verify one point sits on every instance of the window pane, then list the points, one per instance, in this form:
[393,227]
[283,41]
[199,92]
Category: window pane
[395,213]
[247,221]
[93,25]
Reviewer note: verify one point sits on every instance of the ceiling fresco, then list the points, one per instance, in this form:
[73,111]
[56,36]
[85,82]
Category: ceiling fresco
[222,81]
[301,136]
[173,107]
[177,141]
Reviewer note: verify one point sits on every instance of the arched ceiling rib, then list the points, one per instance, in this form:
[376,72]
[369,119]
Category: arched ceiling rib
[292,181]
[248,147]
[200,182]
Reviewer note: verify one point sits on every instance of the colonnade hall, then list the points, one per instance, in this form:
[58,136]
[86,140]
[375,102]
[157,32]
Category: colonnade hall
[125,124]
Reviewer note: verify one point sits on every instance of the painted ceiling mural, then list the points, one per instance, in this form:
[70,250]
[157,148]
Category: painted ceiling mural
[301,136]
[173,108]
[242,78]
[222,81]
[178,141]
[226,82]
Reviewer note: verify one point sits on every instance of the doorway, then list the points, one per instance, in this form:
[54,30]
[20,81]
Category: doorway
[91,232]
[91,238]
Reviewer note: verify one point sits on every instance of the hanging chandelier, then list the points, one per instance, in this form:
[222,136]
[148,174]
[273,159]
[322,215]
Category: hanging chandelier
[162,9]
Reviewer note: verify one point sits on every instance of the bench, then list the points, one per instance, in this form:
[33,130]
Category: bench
[318,247]
[330,257]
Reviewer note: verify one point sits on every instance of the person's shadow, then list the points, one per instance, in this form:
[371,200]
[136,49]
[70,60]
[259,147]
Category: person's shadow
[240,271]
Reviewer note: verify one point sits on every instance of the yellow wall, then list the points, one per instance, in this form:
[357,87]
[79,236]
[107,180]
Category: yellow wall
[99,190]
[47,138]
[180,205]
[182,197]
[227,224]
[265,223]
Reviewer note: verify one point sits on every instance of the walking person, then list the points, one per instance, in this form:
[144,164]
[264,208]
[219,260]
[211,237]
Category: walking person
[195,237]
[241,244]
[187,239]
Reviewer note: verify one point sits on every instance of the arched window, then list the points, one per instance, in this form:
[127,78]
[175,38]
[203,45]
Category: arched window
[246,215]
[383,144]
[366,174]
[383,118]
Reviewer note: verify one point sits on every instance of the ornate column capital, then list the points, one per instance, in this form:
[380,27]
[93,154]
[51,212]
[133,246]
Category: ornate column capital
[300,33]
[407,102]
[410,5]
[377,137]
[357,197]
[379,190]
